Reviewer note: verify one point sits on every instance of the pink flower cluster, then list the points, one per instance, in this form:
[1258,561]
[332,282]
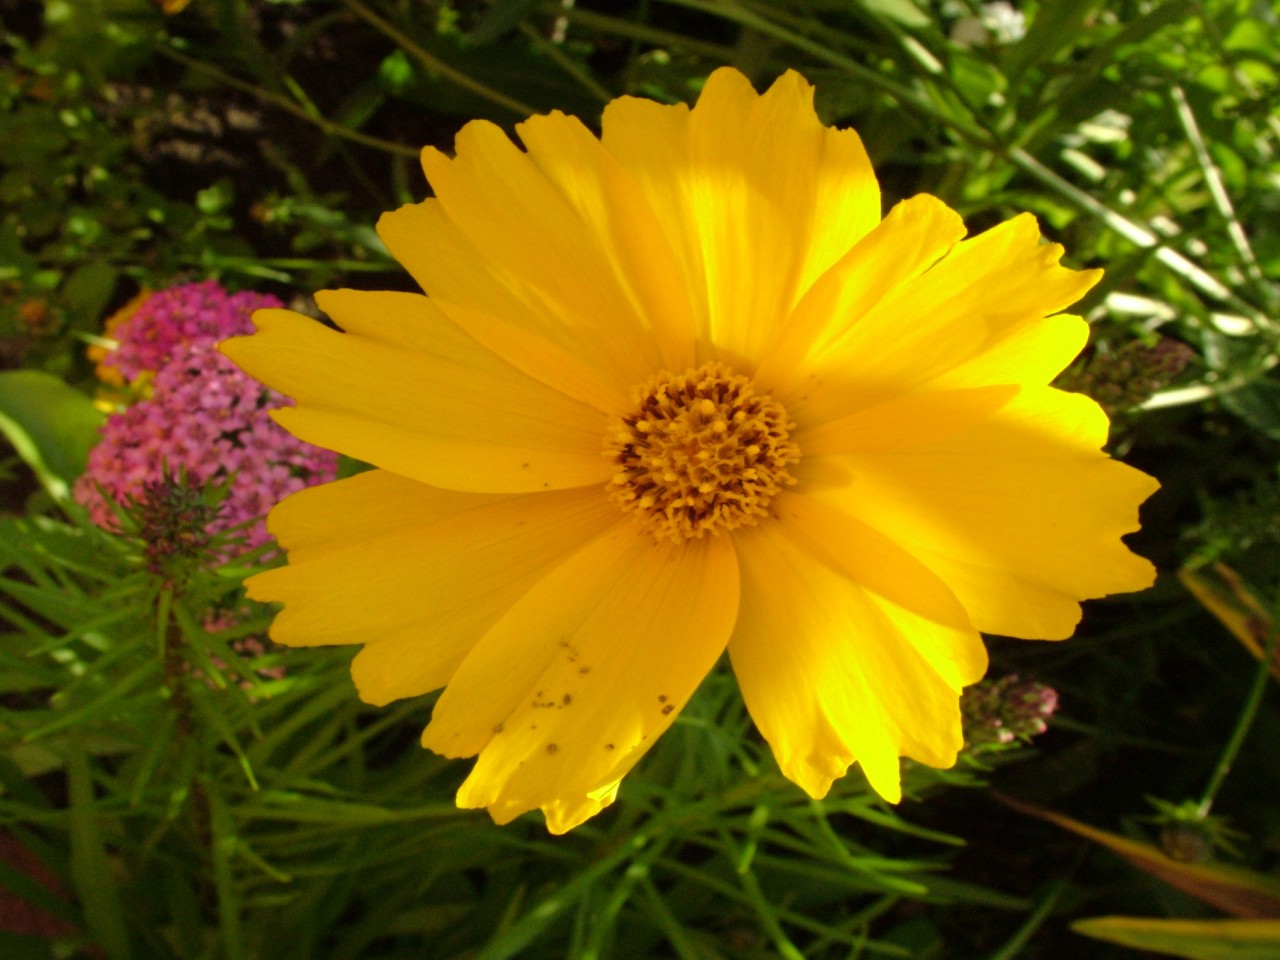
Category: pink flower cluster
[1003,710]
[204,419]
[194,313]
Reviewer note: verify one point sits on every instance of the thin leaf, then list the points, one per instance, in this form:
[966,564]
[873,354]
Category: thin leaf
[1193,939]
[1221,591]
[92,872]
[1239,892]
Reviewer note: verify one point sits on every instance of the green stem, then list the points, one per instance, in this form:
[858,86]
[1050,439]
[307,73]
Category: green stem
[176,680]
[566,63]
[436,65]
[1038,916]
[287,105]
[1243,725]
[1199,392]
[640,32]
[1218,191]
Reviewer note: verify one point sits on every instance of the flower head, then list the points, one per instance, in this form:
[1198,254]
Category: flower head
[1006,710]
[152,326]
[203,418]
[677,390]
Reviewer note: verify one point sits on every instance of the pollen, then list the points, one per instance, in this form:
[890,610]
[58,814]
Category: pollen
[700,453]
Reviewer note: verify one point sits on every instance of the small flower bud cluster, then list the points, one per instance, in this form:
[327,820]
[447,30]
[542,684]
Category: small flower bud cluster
[1121,378]
[173,523]
[204,418]
[1004,710]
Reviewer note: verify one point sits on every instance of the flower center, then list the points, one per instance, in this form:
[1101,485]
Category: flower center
[701,452]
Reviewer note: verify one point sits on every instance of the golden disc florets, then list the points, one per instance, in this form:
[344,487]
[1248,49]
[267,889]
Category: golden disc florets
[700,453]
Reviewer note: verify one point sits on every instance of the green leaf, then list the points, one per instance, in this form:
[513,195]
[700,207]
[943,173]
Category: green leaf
[88,290]
[1257,405]
[500,19]
[1224,594]
[229,905]
[1193,939]
[51,425]
[92,871]
[900,11]
[1234,890]
[1056,28]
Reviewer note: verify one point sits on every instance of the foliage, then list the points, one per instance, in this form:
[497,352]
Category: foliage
[193,792]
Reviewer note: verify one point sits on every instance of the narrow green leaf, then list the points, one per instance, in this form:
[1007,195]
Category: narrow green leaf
[222,848]
[92,872]
[1056,27]
[1192,939]
[900,11]
[39,898]
[1234,890]
[500,19]
[512,940]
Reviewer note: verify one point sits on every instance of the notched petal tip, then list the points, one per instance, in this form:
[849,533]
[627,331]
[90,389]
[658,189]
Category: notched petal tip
[567,692]
[727,82]
[258,588]
[393,225]
[928,209]
[887,784]
[235,347]
[1088,278]
[817,779]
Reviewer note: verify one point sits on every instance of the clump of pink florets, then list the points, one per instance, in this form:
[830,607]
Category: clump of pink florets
[1007,709]
[205,420]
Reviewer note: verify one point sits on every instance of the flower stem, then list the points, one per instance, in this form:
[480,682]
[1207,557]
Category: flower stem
[434,64]
[1243,725]
[284,103]
[176,679]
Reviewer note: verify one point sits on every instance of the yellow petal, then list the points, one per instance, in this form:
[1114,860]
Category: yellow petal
[651,142]
[421,399]
[496,311]
[1033,353]
[489,312]
[905,423]
[912,238]
[755,195]
[834,672]
[877,564]
[610,202]
[1020,515]
[569,689]
[408,570]
[988,295]
[518,246]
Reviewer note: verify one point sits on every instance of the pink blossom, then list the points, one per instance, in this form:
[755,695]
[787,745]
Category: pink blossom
[205,419]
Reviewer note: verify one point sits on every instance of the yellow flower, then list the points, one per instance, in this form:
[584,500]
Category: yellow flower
[680,390]
[102,352]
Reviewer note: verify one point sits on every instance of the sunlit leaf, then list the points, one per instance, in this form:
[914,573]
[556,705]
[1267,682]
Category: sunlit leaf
[902,11]
[1193,939]
[1221,591]
[1239,892]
